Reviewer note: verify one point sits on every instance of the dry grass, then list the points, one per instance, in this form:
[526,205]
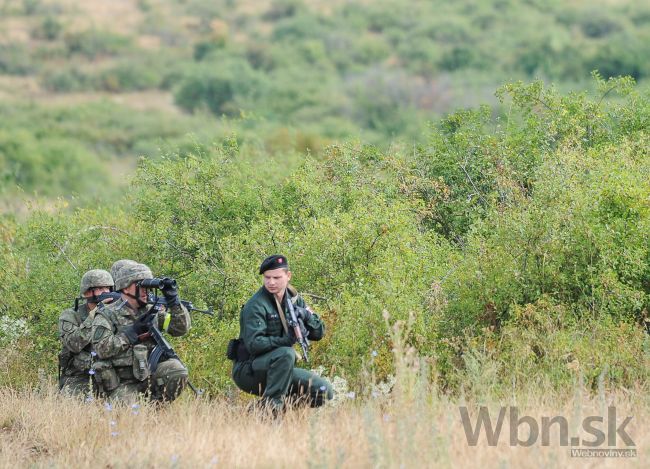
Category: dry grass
[41,429]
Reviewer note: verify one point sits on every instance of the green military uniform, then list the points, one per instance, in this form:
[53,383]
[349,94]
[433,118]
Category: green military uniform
[121,367]
[269,371]
[75,328]
[75,358]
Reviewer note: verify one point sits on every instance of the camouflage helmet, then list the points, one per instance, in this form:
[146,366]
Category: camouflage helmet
[95,278]
[130,273]
[117,265]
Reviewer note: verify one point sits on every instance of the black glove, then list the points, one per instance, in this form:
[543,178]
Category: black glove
[139,327]
[303,313]
[170,293]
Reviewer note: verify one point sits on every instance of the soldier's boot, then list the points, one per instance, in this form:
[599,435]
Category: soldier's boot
[270,408]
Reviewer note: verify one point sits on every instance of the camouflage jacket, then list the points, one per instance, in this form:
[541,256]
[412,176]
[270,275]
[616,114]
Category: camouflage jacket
[75,329]
[109,340]
[260,325]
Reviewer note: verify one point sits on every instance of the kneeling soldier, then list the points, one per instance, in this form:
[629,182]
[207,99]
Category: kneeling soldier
[75,326]
[264,358]
[122,346]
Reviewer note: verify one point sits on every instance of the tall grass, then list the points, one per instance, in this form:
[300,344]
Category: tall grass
[410,425]
[45,430]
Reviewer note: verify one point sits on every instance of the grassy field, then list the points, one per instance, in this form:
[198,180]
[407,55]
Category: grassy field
[41,429]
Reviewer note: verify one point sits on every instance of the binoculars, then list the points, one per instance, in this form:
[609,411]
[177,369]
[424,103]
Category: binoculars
[159,283]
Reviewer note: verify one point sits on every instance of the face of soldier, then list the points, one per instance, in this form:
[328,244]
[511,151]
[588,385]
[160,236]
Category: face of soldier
[142,295]
[95,291]
[276,281]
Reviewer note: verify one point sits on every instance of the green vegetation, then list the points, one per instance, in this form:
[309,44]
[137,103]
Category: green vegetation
[506,235]
[511,251]
[287,75]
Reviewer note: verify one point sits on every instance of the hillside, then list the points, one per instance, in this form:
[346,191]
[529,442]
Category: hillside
[87,87]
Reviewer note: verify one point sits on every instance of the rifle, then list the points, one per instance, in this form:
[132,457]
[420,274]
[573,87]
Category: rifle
[155,300]
[293,322]
[163,349]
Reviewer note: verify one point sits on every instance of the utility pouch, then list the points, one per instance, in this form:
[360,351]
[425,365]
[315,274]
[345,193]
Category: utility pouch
[106,376]
[65,357]
[237,350]
[242,352]
[82,361]
[231,350]
[140,365]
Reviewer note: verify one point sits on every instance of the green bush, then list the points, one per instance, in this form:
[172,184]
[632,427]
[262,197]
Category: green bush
[15,60]
[48,166]
[219,89]
[128,76]
[66,80]
[49,29]
[94,43]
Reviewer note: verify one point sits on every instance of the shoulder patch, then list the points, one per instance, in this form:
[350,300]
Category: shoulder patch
[67,326]
[99,333]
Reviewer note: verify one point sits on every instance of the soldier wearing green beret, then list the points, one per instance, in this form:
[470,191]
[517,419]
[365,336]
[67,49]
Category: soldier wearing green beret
[264,364]
[75,326]
[122,346]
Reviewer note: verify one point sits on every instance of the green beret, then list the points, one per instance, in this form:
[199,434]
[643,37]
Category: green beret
[276,261]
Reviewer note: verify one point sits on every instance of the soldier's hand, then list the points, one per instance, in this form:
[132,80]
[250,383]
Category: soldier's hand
[170,292]
[131,335]
[303,313]
[139,327]
[290,338]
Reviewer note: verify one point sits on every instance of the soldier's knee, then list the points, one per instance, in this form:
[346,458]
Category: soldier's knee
[285,355]
[126,394]
[281,358]
[75,386]
[169,380]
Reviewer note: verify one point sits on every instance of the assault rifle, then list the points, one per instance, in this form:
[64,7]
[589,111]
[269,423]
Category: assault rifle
[156,300]
[160,284]
[163,349]
[297,330]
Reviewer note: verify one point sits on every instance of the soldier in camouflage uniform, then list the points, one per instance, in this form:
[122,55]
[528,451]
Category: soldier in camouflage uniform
[122,371]
[265,362]
[117,265]
[75,327]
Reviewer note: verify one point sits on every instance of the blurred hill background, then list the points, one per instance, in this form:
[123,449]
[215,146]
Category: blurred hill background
[88,87]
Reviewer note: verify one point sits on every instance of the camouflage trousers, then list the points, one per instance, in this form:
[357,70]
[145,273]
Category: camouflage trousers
[165,384]
[273,376]
[76,385]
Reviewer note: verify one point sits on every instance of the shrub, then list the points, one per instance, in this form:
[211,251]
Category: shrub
[218,89]
[49,29]
[95,43]
[15,60]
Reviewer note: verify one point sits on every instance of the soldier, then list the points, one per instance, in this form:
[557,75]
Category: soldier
[265,359]
[75,326]
[117,265]
[122,371]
